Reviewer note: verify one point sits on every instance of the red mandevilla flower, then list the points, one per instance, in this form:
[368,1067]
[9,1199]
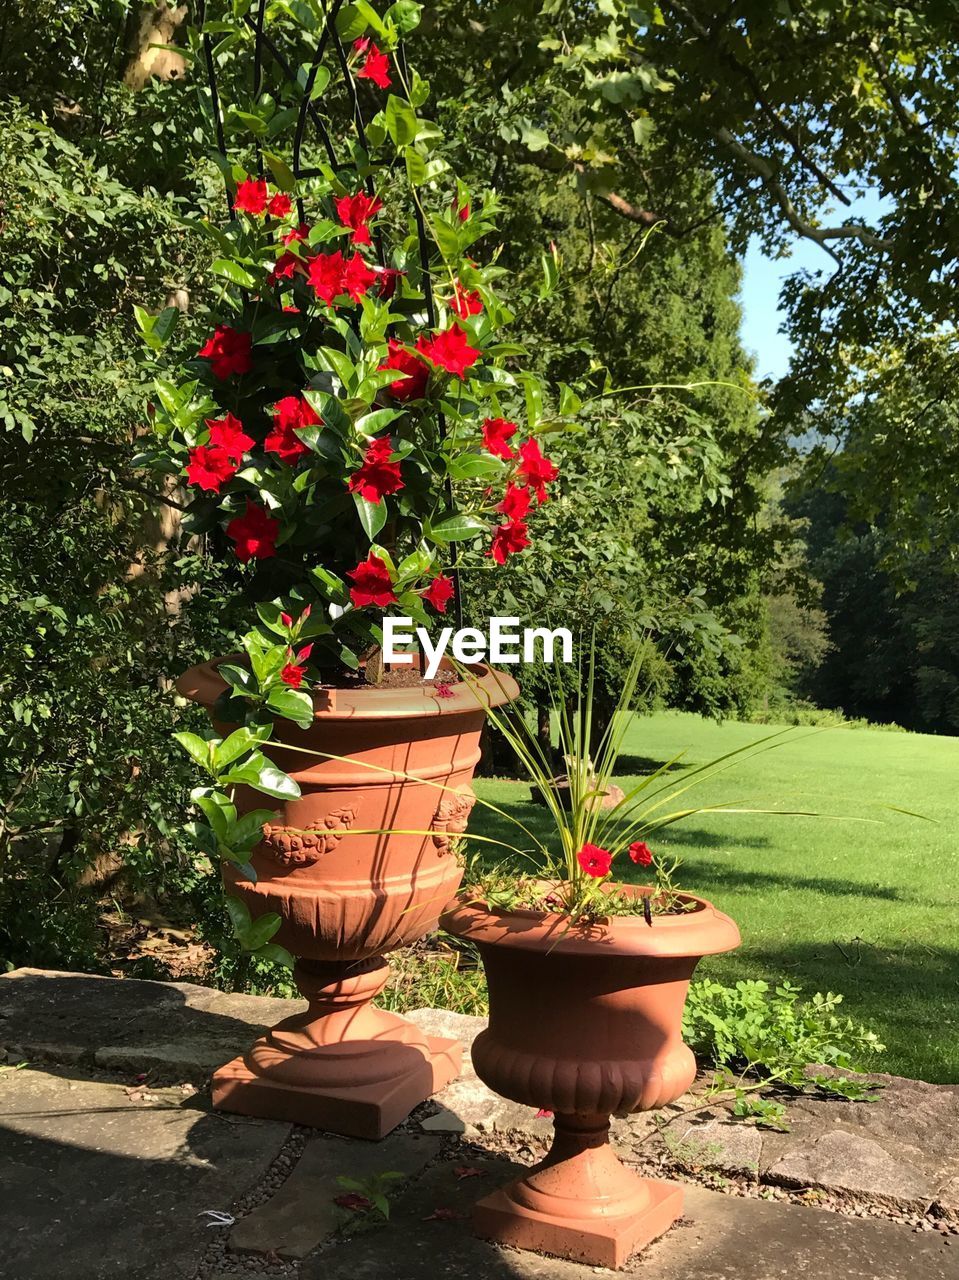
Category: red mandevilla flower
[228,434]
[229,351]
[377,65]
[377,476]
[297,233]
[536,470]
[251,196]
[412,386]
[439,593]
[594,860]
[373,583]
[450,350]
[640,853]
[357,277]
[332,275]
[286,267]
[387,279]
[279,205]
[355,212]
[466,303]
[496,433]
[515,504]
[209,467]
[293,675]
[290,414]
[508,539]
[255,533]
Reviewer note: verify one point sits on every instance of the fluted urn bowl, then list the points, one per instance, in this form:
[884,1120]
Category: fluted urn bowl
[586,1021]
[361,863]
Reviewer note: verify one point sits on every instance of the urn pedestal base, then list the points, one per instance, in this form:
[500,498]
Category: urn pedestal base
[580,1202]
[343,1065]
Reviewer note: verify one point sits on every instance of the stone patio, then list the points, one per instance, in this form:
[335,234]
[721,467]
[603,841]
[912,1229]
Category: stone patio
[112,1163]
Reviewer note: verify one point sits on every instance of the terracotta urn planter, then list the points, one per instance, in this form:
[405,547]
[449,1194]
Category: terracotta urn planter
[586,1022]
[345,900]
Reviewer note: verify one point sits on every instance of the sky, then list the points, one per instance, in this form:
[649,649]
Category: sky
[762,280]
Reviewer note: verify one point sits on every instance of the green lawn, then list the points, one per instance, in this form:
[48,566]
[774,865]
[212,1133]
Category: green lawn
[871,911]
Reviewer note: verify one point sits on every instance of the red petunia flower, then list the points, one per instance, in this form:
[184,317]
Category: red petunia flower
[412,386]
[229,351]
[465,303]
[298,233]
[293,675]
[496,433]
[377,476]
[439,593]
[251,196]
[594,860]
[450,350]
[210,467]
[508,539]
[279,205]
[515,504]
[377,64]
[355,212]
[228,434]
[290,413]
[536,470]
[640,853]
[373,583]
[255,533]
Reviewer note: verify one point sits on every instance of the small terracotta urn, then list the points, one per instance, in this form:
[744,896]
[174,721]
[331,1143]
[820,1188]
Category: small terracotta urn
[586,1021]
[346,897]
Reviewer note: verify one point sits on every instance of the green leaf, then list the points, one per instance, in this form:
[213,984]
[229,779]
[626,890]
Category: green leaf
[248,830]
[401,122]
[218,811]
[239,742]
[282,173]
[405,15]
[259,933]
[259,773]
[199,750]
[457,528]
[292,704]
[372,515]
[273,953]
[233,272]
[239,914]
[320,82]
[236,677]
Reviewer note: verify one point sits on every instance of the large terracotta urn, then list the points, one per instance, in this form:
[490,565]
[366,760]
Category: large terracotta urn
[586,1021]
[346,896]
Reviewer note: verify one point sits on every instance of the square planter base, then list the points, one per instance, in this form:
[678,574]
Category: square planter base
[598,1242]
[357,1111]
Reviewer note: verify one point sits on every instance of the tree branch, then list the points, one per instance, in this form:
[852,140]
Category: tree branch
[820,235]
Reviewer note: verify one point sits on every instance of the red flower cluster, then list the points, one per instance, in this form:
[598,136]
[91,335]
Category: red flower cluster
[332,275]
[377,476]
[415,374]
[229,351]
[253,197]
[450,350]
[355,212]
[377,64]
[594,860]
[496,434]
[373,583]
[255,533]
[289,414]
[439,593]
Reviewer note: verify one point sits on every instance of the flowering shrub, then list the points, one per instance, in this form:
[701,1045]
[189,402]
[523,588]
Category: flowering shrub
[347,426]
[343,425]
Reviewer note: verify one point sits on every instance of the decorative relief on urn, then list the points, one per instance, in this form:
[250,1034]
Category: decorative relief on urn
[451,818]
[294,847]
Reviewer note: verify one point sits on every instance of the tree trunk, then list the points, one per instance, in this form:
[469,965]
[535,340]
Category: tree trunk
[156,24]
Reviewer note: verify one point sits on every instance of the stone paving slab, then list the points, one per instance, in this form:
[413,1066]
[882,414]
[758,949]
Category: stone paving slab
[303,1212]
[175,1028]
[720,1238]
[96,1186]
